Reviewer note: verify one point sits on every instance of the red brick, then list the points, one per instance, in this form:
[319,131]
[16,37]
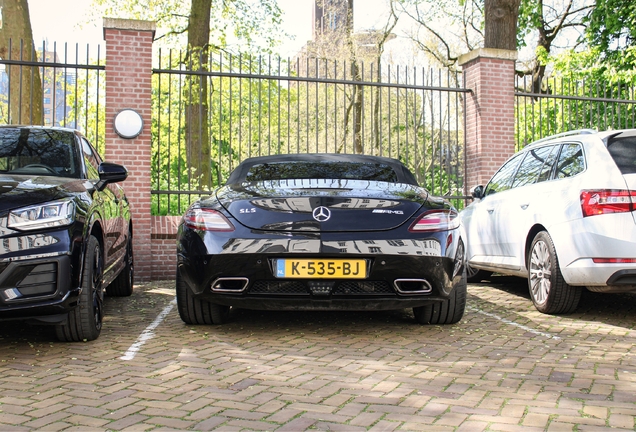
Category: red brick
[129,54]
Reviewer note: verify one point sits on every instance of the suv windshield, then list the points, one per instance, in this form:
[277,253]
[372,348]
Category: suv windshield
[38,152]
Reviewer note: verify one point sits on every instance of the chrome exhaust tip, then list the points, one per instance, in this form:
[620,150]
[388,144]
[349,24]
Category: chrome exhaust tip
[230,284]
[413,286]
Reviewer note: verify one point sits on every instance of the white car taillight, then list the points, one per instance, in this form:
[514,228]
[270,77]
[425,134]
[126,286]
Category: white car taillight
[604,201]
[436,220]
[614,260]
[206,220]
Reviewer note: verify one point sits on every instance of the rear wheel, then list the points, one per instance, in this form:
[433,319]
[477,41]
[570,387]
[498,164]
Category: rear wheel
[122,286]
[196,311]
[476,275]
[549,292]
[449,311]
[84,323]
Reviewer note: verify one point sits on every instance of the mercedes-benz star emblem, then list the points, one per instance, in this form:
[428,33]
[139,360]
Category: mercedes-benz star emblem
[321,214]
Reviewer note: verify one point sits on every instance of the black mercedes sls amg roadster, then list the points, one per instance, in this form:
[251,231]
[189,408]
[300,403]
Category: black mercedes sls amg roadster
[320,232]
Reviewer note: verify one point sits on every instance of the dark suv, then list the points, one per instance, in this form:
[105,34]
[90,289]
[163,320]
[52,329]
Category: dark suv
[65,231]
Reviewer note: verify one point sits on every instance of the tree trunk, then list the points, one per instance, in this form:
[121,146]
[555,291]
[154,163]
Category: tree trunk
[387,35]
[357,108]
[196,97]
[501,24]
[539,68]
[358,146]
[25,86]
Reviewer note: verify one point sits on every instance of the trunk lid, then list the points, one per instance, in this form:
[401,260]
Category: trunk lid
[322,205]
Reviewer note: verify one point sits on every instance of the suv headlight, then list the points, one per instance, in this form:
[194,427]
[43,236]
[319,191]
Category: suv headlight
[51,214]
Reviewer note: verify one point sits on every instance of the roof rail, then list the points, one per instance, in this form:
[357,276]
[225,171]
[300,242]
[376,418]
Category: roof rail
[564,134]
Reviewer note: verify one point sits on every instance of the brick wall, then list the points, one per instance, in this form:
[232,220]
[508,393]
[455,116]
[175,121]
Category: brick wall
[128,86]
[490,117]
[164,246]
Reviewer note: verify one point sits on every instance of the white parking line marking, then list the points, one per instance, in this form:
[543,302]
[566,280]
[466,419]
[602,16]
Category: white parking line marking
[148,333]
[521,326]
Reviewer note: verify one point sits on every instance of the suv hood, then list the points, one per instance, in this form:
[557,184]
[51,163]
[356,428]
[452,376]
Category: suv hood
[19,190]
[351,205]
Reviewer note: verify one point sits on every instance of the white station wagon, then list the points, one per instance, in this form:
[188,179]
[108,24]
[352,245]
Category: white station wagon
[562,213]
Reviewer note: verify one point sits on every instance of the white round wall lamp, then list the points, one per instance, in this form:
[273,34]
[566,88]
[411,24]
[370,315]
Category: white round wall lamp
[128,123]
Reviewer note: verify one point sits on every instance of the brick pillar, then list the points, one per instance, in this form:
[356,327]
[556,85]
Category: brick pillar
[490,114]
[128,86]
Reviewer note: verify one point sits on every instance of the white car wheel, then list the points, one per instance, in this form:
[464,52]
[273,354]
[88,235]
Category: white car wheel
[548,290]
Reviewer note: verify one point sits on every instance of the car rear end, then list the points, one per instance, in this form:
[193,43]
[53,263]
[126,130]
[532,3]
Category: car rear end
[321,244]
[596,249]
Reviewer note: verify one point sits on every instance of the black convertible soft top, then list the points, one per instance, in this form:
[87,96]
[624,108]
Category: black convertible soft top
[321,165]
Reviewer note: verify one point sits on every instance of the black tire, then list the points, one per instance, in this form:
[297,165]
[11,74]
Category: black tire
[196,311]
[477,275]
[122,286]
[84,323]
[548,291]
[449,311]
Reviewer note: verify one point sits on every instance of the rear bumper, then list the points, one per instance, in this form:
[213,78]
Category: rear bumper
[402,269]
[315,304]
[585,272]
[607,236]
[247,281]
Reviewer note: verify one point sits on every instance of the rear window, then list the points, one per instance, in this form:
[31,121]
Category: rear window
[623,151]
[321,170]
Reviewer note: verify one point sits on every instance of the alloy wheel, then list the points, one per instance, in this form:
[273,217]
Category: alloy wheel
[97,293]
[540,272]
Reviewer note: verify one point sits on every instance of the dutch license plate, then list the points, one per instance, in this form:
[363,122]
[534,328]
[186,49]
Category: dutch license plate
[321,268]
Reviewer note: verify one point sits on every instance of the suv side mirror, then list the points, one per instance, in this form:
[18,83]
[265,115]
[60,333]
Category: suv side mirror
[477,192]
[110,173]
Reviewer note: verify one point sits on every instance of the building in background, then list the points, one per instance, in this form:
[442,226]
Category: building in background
[330,16]
[334,40]
[57,83]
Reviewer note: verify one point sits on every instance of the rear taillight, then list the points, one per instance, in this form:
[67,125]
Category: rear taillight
[436,220]
[597,202]
[614,260]
[206,220]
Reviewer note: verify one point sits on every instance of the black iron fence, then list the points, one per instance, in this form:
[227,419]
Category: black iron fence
[210,115]
[559,104]
[56,86]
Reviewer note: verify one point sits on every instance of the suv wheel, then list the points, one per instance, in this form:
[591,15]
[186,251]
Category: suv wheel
[84,323]
[549,292]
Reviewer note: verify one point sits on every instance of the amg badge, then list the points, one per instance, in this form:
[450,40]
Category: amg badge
[397,212]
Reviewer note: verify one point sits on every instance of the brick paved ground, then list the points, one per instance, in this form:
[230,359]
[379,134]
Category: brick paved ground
[505,367]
